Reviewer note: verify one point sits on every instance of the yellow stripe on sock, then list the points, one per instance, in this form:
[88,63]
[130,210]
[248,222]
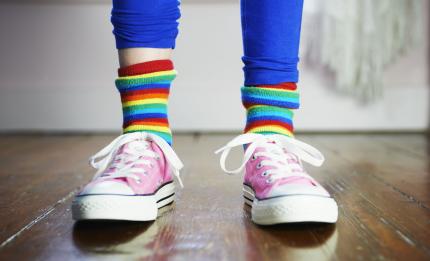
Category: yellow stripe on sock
[271,128]
[144,101]
[255,106]
[147,127]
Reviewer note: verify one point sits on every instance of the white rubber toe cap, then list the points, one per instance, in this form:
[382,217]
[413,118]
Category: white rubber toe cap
[108,187]
[298,189]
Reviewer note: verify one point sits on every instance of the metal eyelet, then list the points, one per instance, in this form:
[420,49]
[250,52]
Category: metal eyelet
[259,166]
[264,174]
[269,180]
[253,157]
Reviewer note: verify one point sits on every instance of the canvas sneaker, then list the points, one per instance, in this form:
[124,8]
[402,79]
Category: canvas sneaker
[134,179]
[276,185]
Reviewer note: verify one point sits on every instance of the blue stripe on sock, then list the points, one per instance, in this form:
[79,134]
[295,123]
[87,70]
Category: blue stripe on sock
[161,85]
[264,113]
[158,111]
[145,116]
[274,118]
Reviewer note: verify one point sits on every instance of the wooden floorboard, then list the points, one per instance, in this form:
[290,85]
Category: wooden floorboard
[381,183]
[396,168]
[39,172]
[416,145]
[383,217]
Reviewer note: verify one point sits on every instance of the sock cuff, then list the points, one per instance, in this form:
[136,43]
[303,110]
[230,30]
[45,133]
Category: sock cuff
[160,78]
[271,95]
[144,90]
[269,108]
[146,67]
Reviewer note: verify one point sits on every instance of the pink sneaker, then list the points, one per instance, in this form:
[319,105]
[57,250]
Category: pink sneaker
[134,179]
[275,185]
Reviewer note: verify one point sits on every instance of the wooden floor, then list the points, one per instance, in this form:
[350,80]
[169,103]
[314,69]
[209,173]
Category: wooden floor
[381,182]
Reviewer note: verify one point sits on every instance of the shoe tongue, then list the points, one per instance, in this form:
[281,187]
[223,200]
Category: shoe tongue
[288,155]
[262,148]
[132,146]
[127,149]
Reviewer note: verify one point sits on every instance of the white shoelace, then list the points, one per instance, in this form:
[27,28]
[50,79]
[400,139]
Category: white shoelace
[275,146]
[108,156]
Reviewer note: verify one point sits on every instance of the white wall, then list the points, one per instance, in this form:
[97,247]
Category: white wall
[58,65]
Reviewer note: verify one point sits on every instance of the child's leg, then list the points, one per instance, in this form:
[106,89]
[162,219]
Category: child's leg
[131,56]
[276,185]
[145,33]
[271,35]
[134,176]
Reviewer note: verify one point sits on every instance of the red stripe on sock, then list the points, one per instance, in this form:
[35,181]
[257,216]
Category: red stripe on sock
[291,86]
[145,94]
[249,104]
[127,98]
[142,92]
[146,67]
[152,121]
[262,123]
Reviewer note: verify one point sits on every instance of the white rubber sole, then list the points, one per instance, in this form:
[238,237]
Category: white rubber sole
[291,209]
[122,207]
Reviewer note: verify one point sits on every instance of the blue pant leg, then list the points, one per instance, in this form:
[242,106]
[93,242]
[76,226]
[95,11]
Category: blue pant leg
[145,23]
[271,36]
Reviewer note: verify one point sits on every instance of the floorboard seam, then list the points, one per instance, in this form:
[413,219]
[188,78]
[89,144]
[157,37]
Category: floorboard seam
[404,194]
[37,219]
[406,237]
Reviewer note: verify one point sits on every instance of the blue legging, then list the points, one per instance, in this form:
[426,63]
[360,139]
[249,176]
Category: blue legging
[270,32]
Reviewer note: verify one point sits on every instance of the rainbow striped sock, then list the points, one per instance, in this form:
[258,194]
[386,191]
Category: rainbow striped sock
[144,90]
[269,108]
